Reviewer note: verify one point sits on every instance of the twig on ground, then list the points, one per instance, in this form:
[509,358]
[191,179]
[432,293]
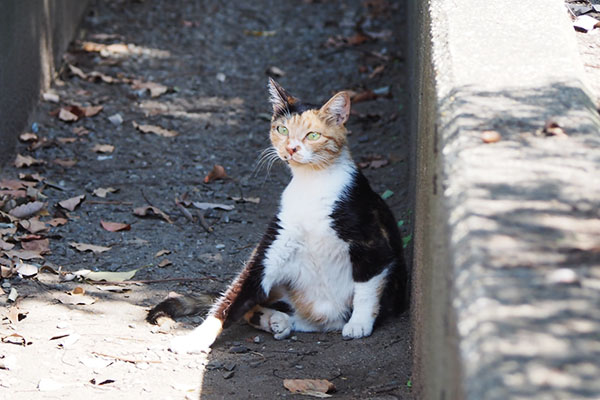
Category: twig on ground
[129,360]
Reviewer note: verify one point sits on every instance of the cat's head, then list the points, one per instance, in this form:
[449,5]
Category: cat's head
[304,135]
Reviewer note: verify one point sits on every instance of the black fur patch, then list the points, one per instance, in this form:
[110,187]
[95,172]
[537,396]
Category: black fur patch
[363,219]
[255,318]
[246,290]
[175,307]
[295,108]
[282,306]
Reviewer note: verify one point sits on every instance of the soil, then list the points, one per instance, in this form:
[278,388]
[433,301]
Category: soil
[213,57]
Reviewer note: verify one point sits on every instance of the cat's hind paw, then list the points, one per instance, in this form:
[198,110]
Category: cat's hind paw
[356,330]
[280,325]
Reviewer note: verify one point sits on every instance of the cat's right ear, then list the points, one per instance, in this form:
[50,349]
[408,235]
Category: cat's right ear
[280,99]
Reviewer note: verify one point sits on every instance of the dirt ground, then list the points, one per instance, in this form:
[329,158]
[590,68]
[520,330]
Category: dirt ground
[207,63]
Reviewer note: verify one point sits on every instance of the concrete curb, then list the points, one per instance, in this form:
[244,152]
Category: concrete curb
[506,239]
[33,37]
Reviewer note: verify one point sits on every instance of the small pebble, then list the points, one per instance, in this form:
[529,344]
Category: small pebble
[257,339]
[220,246]
[239,349]
[6,285]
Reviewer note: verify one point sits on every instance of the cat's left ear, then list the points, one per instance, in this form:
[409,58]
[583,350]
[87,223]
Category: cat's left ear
[337,109]
[280,99]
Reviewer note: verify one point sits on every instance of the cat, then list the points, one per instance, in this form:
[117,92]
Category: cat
[331,258]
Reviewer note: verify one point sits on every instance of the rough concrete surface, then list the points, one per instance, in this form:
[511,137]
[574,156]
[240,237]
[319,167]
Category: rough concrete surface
[33,36]
[507,232]
[206,62]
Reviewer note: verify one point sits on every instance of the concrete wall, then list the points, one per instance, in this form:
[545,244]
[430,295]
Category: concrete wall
[33,36]
[506,233]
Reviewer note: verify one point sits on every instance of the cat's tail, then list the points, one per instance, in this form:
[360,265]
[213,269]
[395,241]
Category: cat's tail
[179,306]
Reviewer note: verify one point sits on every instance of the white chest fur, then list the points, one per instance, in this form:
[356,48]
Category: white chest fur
[307,255]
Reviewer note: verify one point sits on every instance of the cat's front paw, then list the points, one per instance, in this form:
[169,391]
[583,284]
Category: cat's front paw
[355,330]
[200,339]
[280,325]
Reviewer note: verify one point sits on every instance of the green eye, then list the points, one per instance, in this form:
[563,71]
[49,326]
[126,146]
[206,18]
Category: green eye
[313,135]
[282,130]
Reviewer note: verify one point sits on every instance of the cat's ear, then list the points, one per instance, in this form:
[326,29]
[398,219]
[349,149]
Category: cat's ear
[337,110]
[280,99]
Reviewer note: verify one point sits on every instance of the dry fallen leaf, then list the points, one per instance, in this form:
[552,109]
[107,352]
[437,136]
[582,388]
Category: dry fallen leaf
[115,226]
[70,298]
[89,247]
[67,116]
[72,203]
[5,245]
[490,136]
[27,210]
[28,137]
[14,338]
[103,148]
[41,246]
[26,270]
[374,161]
[151,210]
[27,161]
[66,140]
[106,275]
[162,252]
[23,254]
[309,387]
[552,128]
[164,263]
[57,221]
[102,192]
[155,89]
[218,172]
[210,206]
[255,200]
[33,225]
[154,129]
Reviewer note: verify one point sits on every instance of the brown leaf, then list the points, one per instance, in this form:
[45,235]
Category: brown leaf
[89,247]
[310,387]
[65,162]
[28,137]
[27,161]
[27,210]
[42,246]
[57,221]
[490,136]
[25,269]
[80,131]
[77,72]
[5,245]
[67,116]
[14,338]
[151,210]
[552,128]
[11,184]
[164,263]
[103,148]
[23,254]
[155,89]
[154,129]
[72,203]
[218,172]
[102,192]
[374,161]
[33,225]
[162,252]
[115,226]
[90,111]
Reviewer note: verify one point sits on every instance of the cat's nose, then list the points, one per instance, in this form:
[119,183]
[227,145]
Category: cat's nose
[292,150]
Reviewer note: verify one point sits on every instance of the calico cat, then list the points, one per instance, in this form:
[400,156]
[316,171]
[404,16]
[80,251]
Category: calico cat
[331,258]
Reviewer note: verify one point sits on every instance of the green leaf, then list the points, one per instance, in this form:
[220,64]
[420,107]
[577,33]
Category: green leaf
[387,194]
[409,383]
[406,240]
[400,223]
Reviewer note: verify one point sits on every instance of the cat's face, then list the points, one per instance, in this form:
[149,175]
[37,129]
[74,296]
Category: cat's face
[306,136]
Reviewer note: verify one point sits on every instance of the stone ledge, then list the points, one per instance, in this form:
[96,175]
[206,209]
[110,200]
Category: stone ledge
[495,221]
[33,37]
